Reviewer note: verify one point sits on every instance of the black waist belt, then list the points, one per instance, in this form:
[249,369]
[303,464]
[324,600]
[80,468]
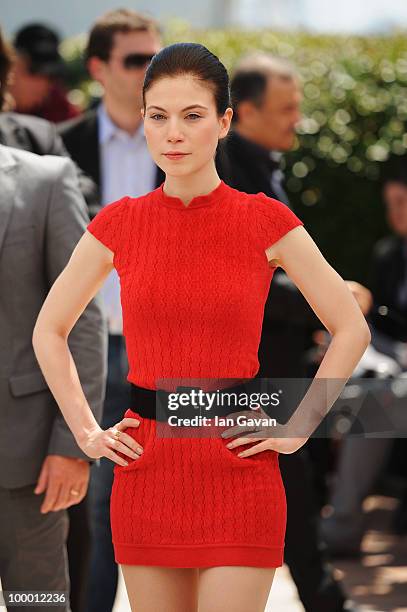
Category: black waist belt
[159,404]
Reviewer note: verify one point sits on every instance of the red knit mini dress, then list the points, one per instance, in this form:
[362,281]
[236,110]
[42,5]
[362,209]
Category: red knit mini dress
[194,280]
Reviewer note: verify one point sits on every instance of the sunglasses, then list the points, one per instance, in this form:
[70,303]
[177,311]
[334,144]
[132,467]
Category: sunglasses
[136,60]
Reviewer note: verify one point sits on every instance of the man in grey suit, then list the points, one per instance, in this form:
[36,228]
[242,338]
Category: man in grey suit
[39,136]
[42,469]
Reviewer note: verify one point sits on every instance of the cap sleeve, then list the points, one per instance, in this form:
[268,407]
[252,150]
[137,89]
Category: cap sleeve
[273,219]
[106,226]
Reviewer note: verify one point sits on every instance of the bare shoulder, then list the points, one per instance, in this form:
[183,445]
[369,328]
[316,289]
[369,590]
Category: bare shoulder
[291,244]
[276,226]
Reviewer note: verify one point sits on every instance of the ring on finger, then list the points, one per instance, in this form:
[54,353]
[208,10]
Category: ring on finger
[116,433]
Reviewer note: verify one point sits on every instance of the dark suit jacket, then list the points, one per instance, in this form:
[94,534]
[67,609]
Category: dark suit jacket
[288,318]
[41,137]
[80,136]
[387,270]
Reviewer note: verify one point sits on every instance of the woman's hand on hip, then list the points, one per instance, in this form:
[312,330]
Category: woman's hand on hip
[105,442]
[270,437]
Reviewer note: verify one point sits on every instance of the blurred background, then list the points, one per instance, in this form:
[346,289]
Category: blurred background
[353,62]
[311,15]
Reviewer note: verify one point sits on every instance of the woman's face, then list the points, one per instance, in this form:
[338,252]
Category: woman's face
[180,116]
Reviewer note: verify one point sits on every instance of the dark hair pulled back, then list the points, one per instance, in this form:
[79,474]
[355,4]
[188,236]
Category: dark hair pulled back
[187,58]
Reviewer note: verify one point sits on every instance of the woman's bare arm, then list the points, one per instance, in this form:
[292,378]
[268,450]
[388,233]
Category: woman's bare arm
[329,297]
[83,276]
[333,303]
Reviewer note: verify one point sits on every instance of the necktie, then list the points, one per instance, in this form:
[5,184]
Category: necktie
[277,178]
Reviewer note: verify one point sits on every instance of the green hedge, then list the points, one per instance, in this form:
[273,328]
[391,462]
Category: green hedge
[355,104]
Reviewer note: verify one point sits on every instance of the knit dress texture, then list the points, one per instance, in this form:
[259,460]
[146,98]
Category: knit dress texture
[194,280]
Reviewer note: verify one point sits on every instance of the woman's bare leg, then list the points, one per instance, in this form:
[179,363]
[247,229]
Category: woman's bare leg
[234,588]
[151,588]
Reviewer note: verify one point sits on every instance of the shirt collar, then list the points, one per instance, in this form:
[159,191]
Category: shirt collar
[276,157]
[108,129]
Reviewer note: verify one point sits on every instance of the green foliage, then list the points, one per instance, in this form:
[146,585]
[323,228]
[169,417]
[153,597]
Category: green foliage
[355,108]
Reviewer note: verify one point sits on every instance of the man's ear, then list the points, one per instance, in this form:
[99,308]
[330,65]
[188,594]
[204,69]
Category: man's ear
[95,68]
[246,110]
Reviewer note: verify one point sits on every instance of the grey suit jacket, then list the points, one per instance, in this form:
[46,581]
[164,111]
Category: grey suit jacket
[42,217]
[41,136]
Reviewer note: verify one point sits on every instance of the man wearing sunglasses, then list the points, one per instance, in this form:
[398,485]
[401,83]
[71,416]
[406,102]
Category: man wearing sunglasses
[108,143]
[121,44]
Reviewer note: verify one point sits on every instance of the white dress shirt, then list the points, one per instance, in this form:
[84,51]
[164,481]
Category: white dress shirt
[126,168]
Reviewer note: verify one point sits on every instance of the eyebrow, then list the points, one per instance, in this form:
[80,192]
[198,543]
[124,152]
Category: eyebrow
[184,109]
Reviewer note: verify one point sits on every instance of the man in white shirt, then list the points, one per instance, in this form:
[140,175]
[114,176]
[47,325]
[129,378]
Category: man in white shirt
[108,143]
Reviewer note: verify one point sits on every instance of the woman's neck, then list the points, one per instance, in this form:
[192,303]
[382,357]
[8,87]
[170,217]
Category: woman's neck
[188,187]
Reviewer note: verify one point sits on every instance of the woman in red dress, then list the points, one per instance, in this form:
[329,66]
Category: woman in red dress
[196,520]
